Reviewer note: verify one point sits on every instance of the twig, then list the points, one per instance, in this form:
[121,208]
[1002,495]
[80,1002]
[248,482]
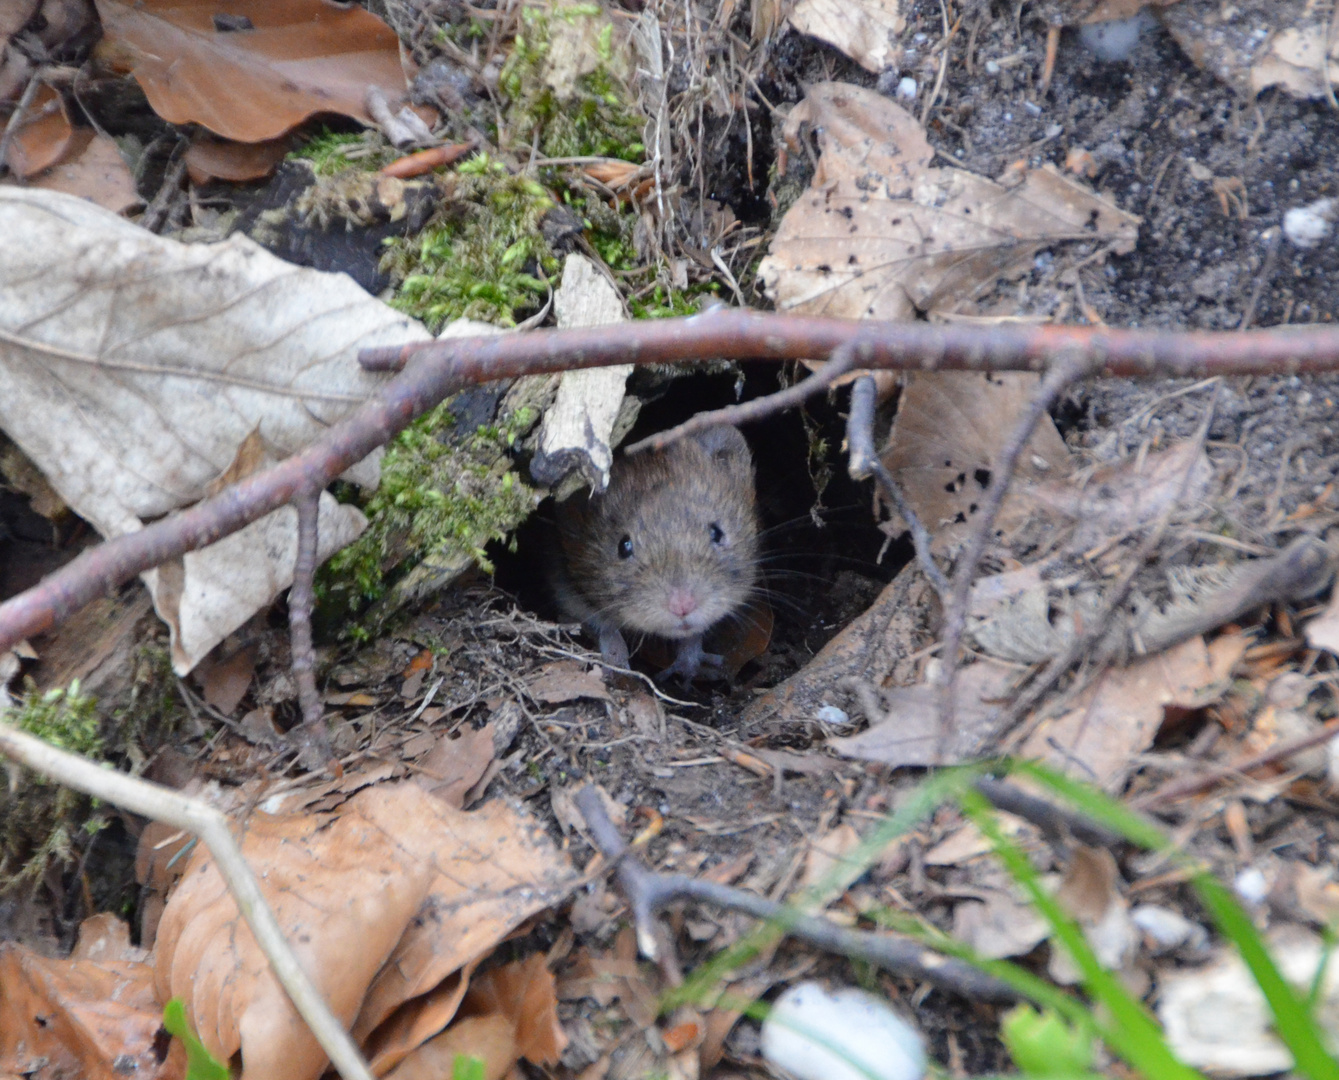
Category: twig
[155,217]
[1051,819]
[1193,785]
[863,461]
[173,808]
[1066,370]
[843,359]
[648,893]
[442,367]
[313,738]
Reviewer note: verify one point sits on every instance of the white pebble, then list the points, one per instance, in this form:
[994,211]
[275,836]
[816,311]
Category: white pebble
[1307,226]
[1166,928]
[830,714]
[816,1034]
[906,88]
[1251,885]
[1114,40]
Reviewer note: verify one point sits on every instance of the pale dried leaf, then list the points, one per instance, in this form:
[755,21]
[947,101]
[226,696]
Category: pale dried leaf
[1001,921]
[1116,718]
[880,234]
[910,734]
[949,431]
[863,29]
[454,766]
[133,367]
[382,903]
[567,680]
[303,57]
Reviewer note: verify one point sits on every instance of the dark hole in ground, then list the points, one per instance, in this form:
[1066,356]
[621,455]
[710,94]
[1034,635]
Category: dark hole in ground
[820,556]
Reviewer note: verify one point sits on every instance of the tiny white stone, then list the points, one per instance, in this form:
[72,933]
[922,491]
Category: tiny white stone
[1307,226]
[992,67]
[813,1033]
[830,714]
[1032,107]
[1114,40]
[1167,928]
[1251,885]
[906,88]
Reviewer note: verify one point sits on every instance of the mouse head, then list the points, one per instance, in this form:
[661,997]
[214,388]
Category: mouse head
[671,547]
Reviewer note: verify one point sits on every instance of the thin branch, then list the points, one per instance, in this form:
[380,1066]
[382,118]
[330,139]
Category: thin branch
[648,893]
[313,739]
[863,461]
[440,368]
[163,804]
[843,359]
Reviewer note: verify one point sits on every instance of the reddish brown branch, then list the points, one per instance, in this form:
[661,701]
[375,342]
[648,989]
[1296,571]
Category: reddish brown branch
[440,368]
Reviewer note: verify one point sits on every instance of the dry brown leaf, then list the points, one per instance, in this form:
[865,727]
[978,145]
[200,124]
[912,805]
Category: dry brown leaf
[93,169]
[909,734]
[44,136]
[949,431]
[880,234]
[303,57]
[221,159]
[1116,718]
[829,854]
[999,921]
[382,902]
[567,680]
[525,993]
[862,29]
[492,1039]
[225,681]
[454,766]
[92,1015]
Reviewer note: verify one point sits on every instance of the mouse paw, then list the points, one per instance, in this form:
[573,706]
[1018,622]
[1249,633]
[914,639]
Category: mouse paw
[691,660]
[613,646]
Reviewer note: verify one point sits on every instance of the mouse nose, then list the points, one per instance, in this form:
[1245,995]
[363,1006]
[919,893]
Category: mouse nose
[681,602]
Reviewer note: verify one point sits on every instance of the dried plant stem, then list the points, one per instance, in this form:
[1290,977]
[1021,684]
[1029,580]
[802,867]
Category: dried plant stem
[173,808]
[648,893]
[314,739]
[863,461]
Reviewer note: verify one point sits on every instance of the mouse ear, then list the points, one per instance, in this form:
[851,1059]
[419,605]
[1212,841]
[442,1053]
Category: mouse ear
[725,442]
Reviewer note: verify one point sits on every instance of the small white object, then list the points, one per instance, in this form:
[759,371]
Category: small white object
[830,714]
[1032,108]
[1114,40]
[906,88]
[1307,226]
[992,67]
[818,1034]
[1167,929]
[1251,885]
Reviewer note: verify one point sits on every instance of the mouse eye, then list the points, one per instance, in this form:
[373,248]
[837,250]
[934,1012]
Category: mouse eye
[625,548]
[716,533]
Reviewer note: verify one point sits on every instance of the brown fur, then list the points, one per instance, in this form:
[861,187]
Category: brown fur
[665,503]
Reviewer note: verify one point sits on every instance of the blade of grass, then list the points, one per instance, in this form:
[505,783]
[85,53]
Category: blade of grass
[1134,1034]
[1293,1019]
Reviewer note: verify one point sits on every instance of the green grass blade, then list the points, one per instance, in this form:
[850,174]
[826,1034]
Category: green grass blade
[200,1063]
[1133,1034]
[1293,1019]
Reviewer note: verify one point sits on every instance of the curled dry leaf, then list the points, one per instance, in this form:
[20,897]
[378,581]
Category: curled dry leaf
[383,903]
[93,1014]
[133,369]
[295,59]
[863,29]
[93,169]
[949,431]
[880,234]
[42,137]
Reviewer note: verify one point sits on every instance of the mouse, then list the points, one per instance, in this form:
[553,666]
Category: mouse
[669,548]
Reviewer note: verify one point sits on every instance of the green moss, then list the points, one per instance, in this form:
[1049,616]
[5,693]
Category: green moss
[440,496]
[39,817]
[478,257]
[595,115]
[327,153]
[665,303]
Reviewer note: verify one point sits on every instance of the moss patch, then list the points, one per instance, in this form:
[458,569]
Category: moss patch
[443,495]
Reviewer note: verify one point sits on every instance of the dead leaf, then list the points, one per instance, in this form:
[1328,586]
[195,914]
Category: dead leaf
[1000,921]
[210,158]
[567,680]
[880,234]
[298,58]
[382,902]
[226,681]
[830,854]
[133,367]
[863,29]
[43,137]
[948,433]
[909,732]
[455,765]
[1116,717]
[93,169]
[92,1015]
